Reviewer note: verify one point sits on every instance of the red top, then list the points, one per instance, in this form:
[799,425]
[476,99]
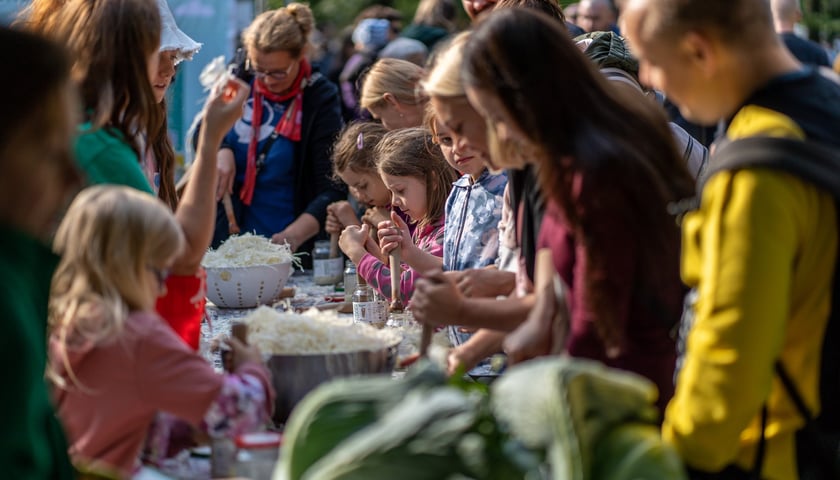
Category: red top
[183,305]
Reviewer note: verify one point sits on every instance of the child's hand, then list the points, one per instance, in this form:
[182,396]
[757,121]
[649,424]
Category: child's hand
[352,242]
[375,215]
[394,236]
[241,353]
[339,215]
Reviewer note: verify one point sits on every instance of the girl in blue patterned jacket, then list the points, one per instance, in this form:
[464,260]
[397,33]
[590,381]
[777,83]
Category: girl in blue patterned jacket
[473,211]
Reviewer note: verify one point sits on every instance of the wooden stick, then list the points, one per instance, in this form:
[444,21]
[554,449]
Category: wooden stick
[425,339]
[396,270]
[334,245]
[239,331]
[233,227]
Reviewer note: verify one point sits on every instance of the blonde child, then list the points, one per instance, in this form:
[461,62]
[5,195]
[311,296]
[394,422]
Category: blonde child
[113,360]
[388,93]
[419,180]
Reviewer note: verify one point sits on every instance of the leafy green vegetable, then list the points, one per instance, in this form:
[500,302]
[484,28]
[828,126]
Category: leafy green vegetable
[635,451]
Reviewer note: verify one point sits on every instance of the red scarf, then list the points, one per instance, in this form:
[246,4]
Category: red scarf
[288,126]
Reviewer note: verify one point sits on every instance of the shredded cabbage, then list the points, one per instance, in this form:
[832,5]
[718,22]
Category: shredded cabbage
[313,332]
[248,250]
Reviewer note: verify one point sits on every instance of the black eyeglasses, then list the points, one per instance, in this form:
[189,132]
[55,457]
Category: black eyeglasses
[275,74]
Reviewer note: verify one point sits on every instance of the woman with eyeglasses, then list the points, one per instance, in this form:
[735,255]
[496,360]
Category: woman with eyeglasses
[275,162]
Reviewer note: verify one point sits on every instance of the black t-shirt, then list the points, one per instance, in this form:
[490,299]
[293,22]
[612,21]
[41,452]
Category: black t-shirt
[804,50]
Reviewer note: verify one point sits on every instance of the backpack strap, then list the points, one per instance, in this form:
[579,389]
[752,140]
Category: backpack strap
[813,162]
[818,165]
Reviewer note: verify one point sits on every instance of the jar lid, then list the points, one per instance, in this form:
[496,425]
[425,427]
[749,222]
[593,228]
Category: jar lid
[259,440]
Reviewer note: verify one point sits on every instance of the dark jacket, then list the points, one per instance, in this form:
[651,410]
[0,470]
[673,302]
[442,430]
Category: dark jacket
[314,187]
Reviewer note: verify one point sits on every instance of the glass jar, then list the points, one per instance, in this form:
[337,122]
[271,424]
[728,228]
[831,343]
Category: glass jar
[349,280]
[325,270]
[366,307]
[257,454]
[222,456]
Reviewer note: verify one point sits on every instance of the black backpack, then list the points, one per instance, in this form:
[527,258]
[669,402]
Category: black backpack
[818,442]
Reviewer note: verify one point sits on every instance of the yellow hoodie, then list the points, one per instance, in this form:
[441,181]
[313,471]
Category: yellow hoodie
[760,252]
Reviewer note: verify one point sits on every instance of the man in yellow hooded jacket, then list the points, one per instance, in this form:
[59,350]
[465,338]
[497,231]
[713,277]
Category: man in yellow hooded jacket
[761,248]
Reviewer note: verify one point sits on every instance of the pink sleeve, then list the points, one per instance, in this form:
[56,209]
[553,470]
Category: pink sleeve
[172,377]
[378,275]
[245,403]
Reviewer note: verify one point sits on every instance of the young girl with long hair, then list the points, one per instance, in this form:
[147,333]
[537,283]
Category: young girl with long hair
[354,163]
[419,180]
[473,213]
[116,47]
[611,169]
[113,361]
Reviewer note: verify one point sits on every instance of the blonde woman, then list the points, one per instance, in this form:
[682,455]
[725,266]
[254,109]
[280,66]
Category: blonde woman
[388,93]
[275,162]
[113,360]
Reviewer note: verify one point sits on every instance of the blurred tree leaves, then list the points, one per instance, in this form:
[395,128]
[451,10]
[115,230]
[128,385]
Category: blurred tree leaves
[822,17]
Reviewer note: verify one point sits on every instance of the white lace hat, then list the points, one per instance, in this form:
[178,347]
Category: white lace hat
[172,38]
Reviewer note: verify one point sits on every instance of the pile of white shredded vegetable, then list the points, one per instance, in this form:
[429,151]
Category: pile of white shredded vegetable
[248,250]
[313,332]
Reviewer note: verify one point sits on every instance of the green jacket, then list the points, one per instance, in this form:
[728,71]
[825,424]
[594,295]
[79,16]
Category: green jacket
[32,444]
[105,157]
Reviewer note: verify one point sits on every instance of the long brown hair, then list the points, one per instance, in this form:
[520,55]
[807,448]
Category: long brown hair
[111,41]
[409,152]
[164,154]
[356,148]
[603,157]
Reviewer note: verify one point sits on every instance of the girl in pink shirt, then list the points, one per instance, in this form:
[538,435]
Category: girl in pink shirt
[113,360]
[419,179]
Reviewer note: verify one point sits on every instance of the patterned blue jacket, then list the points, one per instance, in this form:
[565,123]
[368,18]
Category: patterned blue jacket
[473,211]
[471,234]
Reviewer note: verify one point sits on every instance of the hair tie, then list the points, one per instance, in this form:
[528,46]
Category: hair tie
[360,141]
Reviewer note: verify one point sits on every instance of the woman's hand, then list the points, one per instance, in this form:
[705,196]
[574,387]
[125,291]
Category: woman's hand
[544,331]
[394,236]
[340,215]
[484,282]
[352,242]
[226,165]
[286,237]
[436,300]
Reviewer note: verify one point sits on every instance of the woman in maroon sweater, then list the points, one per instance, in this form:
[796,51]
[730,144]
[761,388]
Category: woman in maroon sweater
[609,169]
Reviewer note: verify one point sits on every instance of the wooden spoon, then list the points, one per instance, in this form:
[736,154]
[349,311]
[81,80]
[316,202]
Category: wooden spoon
[233,227]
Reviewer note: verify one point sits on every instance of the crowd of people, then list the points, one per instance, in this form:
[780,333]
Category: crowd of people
[472,157]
